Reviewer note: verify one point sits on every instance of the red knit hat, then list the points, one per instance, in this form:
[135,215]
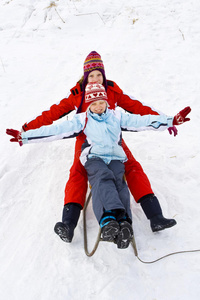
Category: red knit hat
[94,92]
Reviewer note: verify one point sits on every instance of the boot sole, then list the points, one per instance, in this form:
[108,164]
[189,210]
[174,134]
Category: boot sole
[62,232]
[160,227]
[125,236]
[110,231]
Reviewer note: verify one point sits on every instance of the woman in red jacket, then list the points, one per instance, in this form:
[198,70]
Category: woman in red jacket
[76,187]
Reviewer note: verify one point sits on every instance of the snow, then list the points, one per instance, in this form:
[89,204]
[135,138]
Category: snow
[151,49]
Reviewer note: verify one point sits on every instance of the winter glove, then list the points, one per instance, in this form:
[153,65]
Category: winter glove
[173,130]
[180,118]
[16,134]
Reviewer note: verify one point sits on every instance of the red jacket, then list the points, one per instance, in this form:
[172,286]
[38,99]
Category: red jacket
[116,97]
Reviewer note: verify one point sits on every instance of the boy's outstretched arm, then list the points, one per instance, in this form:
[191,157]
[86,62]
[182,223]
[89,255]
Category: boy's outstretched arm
[150,122]
[66,129]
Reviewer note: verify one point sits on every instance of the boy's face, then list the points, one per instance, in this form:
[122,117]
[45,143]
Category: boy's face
[98,107]
[95,76]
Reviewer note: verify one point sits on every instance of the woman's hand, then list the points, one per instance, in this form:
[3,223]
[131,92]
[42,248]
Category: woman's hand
[16,136]
[180,118]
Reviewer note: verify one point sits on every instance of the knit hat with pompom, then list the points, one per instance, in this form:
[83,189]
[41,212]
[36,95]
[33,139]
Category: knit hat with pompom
[94,92]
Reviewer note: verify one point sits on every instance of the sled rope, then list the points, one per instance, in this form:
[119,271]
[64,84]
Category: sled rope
[167,255]
[133,243]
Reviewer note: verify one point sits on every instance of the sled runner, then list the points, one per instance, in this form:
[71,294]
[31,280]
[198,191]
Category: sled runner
[98,239]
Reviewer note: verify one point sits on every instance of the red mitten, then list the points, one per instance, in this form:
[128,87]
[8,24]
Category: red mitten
[180,118]
[173,130]
[16,134]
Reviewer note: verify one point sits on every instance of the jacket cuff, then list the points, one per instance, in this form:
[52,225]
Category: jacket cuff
[25,127]
[170,121]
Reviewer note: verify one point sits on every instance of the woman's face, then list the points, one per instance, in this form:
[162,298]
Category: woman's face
[95,76]
[98,107]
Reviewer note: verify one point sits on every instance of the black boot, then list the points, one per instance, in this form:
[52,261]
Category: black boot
[153,211]
[110,230]
[65,229]
[121,216]
[109,226]
[125,235]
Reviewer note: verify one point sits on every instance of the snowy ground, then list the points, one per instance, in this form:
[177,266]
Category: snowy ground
[151,49]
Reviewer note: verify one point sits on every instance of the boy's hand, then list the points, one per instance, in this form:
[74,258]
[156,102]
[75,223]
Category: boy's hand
[180,118]
[173,130]
[16,136]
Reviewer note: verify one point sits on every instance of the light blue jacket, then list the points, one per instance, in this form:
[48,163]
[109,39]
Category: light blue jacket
[103,132]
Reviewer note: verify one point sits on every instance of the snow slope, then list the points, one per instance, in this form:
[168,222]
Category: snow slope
[151,49]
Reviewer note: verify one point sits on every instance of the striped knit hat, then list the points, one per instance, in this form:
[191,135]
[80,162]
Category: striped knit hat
[94,92]
[92,62]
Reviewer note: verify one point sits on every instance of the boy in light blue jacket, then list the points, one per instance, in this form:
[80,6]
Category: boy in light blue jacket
[103,157]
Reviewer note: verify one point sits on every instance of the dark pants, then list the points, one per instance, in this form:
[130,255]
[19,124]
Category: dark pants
[109,189]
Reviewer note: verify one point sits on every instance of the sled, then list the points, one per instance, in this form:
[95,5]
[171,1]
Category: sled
[98,239]
[133,243]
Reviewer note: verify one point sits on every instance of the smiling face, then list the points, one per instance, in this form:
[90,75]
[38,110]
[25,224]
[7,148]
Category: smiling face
[98,107]
[95,76]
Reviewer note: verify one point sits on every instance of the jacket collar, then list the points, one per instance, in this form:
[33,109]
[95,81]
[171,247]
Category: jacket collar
[99,117]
